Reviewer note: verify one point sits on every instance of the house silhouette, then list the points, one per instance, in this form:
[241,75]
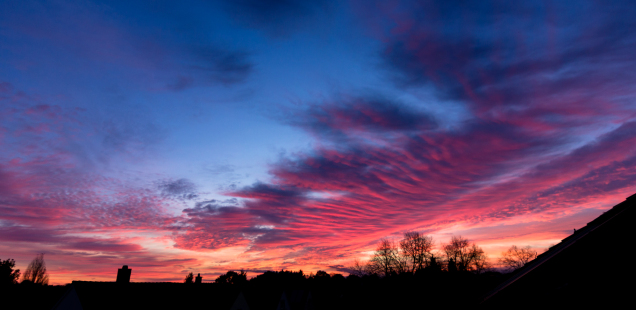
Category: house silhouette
[84,295]
[123,294]
[591,267]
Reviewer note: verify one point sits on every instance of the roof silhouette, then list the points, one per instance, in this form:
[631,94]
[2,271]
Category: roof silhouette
[87,295]
[589,267]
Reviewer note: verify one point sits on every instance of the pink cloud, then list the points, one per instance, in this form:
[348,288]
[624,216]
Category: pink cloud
[546,144]
[334,202]
[52,201]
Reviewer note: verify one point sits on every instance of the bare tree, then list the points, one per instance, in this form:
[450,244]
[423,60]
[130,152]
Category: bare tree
[401,262]
[372,268]
[36,271]
[480,260]
[515,257]
[385,258]
[467,256]
[457,250]
[417,248]
[358,268]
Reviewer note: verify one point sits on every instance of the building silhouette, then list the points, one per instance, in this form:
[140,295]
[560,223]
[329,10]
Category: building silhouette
[123,274]
[123,294]
[591,267]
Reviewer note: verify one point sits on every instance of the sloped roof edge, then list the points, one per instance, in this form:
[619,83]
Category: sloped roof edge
[564,244]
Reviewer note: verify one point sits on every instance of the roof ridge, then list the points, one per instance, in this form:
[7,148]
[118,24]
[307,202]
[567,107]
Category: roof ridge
[564,244]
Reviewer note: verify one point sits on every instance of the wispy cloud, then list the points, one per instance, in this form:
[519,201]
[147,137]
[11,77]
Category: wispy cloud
[547,129]
[276,17]
[100,35]
[544,141]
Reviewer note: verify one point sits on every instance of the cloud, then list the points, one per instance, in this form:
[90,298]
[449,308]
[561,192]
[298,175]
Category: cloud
[507,58]
[215,204]
[344,194]
[53,201]
[341,268]
[126,40]
[130,134]
[276,17]
[57,237]
[222,66]
[210,65]
[182,188]
[5,87]
[359,118]
[547,135]
[214,224]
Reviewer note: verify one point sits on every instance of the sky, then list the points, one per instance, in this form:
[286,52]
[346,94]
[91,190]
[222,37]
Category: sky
[207,136]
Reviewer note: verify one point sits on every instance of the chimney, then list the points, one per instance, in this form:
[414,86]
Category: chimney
[123,274]
[197,280]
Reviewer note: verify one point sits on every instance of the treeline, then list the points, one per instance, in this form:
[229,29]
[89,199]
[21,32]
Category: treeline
[399,274]
[402,273]
[35,273]
[416,252]
[28,290]
[369,291]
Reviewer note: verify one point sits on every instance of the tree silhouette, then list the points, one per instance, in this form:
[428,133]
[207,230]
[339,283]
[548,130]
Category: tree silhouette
[385,258]
[480,260]
[452,267]
[189,278]
[515,257]
[466,256]
[232,277]
[36,271]
[321,274]
[7,274]
[433,265]
[358,268]
[417,249]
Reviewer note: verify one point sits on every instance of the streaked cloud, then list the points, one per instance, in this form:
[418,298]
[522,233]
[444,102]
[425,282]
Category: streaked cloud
[115,133]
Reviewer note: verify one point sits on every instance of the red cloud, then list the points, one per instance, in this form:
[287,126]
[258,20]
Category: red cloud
[334,201]
[547,138]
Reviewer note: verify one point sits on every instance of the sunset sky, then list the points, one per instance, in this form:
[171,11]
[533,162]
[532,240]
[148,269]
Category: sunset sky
[206,136]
